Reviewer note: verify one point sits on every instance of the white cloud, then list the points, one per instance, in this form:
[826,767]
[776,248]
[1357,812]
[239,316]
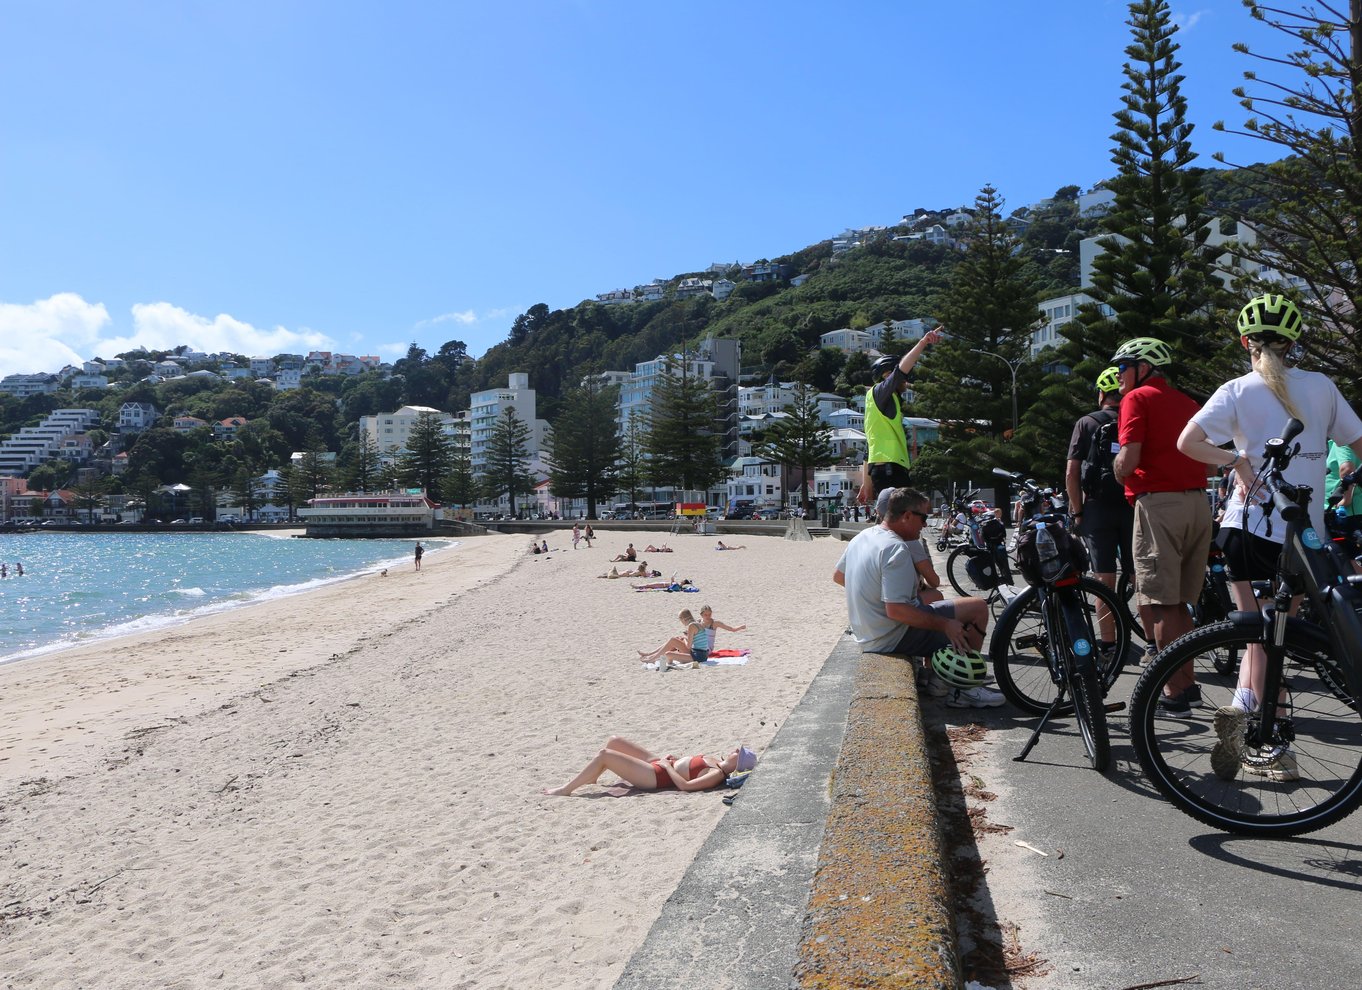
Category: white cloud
[161,325]
[46,335]
[467,318]
[1185,22]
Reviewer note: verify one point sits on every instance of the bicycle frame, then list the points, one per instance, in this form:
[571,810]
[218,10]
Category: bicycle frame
[1310,566]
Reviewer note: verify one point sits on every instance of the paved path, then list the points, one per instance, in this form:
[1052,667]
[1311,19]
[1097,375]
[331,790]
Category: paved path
[1144,893]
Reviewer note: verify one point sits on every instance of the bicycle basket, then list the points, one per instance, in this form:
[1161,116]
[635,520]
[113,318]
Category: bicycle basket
[989,570]
[1071,551]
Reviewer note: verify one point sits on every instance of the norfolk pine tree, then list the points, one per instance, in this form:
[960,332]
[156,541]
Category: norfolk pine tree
[801,441]
[682,442]
[424,461]
[1156,273]
[460,486]
[508,459]
[1309,224]
[991,306]
[632,468]
[586,444]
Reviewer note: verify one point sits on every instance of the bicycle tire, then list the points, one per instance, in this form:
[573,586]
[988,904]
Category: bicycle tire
[1091,714]
[1325,736]
[1018,648]
[1125,590]
[956,573]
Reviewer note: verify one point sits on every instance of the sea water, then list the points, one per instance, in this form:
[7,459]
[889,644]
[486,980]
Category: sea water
[81,587]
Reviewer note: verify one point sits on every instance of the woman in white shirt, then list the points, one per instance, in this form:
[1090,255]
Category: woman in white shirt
[1249,411]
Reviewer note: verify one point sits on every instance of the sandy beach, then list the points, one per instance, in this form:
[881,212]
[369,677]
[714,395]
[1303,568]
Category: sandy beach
[343,788]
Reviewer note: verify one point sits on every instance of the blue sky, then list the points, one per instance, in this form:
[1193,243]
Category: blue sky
[283,176]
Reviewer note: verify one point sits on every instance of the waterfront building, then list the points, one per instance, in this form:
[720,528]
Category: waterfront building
[404,514]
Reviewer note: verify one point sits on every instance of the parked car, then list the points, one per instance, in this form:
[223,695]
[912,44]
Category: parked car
[766,514]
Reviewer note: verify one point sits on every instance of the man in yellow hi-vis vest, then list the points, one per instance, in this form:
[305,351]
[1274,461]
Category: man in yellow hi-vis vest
[886,463]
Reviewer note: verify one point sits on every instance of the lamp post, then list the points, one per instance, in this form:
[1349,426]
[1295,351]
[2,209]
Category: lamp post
[1012,366]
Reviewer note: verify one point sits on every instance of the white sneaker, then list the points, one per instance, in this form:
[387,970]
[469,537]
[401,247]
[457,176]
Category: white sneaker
[975,697]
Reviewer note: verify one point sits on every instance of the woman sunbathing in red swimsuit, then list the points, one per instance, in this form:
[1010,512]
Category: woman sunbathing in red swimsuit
[640,768]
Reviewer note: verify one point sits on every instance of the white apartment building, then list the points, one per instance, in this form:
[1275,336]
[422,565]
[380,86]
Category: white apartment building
[486,407]
[32,445]
[288,378]
[723,288]
[391,431]
[26,385]
[262,367]
[905,331]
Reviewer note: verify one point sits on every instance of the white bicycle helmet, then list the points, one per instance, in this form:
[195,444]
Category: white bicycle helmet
[962,670]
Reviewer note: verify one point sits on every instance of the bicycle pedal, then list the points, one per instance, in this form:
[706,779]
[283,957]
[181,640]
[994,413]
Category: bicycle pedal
[1027,642]
[1115,706]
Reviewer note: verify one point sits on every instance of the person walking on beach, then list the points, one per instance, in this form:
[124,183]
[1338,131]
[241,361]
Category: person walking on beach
[420,551]
[576,535]
[639,768]
[588,535]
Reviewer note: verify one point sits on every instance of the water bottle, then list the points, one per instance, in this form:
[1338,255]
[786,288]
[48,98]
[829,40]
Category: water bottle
[1047,554]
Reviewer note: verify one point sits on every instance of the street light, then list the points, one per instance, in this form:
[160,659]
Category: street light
[1012,366]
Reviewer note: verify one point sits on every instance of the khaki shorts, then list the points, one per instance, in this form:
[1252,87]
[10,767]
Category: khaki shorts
[1172,541]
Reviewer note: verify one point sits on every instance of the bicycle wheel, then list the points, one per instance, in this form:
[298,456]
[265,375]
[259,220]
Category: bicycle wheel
[956,573]
[1319,720]
[1125,590]
[1020,648]
[1091,713]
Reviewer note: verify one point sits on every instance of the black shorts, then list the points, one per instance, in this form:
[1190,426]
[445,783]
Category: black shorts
[1108,530]
[1248,557]
[888,475]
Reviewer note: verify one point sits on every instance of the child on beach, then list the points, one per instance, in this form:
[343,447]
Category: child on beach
[576,535]
[639,768]
[709,622]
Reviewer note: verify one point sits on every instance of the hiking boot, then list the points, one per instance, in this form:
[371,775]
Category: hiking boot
[1280,769]
[975,697]
[1229,750]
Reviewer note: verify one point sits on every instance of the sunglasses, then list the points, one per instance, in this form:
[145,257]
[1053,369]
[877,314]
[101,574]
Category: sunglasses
[1123,366]
[921,515]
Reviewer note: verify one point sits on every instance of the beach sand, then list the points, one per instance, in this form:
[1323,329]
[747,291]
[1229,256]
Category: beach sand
[343,788]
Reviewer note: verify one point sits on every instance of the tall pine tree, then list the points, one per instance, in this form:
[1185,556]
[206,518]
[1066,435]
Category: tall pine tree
[586,444]
[801,443]
[683,439]
[424,461]
[507,460]
[1155,276]
[990,306]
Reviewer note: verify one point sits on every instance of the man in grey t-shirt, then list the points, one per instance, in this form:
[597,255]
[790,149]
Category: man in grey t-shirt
[882,589]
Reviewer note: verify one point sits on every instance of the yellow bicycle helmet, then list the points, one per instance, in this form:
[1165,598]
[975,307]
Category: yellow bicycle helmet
[1149,349]
[1109,380]
[1270,314]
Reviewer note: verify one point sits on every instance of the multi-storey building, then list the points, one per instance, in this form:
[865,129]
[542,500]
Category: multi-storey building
[26,385]
[486,408]
[391,431]
[32,445]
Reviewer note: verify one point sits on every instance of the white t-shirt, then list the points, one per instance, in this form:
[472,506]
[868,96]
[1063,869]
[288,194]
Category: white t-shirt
[1245,411]
[878,568]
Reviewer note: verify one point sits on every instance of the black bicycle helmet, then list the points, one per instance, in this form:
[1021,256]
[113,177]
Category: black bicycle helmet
[882,365]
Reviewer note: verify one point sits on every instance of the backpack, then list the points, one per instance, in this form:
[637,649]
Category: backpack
[1098,474]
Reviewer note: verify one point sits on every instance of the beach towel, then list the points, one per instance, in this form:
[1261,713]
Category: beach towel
[736,658]
[665,587]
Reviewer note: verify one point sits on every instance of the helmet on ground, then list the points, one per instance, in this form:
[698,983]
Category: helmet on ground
[1270,314]
[1109,380]
[963,670]
[882,365]
[1149,349]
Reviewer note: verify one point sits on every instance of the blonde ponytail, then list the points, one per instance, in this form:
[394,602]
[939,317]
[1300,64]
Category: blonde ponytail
[1267,361]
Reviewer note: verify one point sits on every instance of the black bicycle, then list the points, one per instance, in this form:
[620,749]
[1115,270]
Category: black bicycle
[1295,765]
[1044,648]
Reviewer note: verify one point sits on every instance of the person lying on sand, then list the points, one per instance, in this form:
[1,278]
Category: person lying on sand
[639,768]
[652,549]
[640,571]
[724,546]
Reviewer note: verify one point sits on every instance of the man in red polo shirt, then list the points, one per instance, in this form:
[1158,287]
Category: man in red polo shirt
[1168,490]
